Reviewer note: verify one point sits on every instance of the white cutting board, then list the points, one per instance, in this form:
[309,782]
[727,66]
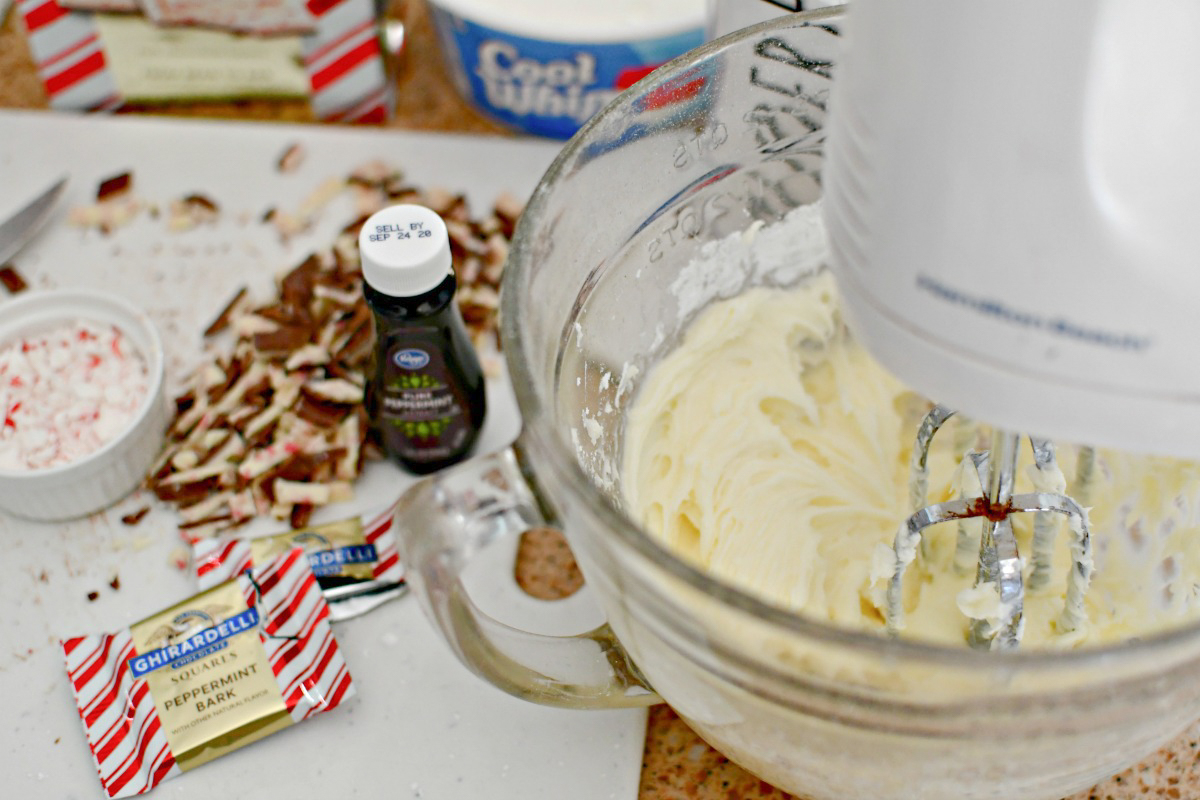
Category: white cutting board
[421,726]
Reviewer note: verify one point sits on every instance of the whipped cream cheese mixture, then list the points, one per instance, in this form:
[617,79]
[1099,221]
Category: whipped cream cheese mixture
[771,450]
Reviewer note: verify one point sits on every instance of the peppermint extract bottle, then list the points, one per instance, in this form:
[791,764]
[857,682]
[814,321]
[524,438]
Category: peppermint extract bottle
[426,396]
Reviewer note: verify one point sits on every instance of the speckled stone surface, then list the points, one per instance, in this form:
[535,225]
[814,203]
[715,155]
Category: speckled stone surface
[545,567]
[677,764]
[1173,772]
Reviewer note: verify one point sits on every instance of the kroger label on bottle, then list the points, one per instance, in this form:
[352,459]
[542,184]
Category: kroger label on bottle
[411,358]
[550,87]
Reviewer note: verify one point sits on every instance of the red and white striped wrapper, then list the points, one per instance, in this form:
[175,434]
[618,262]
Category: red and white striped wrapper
[266,17]
[342,57]
[218,560]
[119,716]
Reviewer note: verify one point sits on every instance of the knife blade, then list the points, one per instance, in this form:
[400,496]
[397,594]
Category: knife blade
[17,230]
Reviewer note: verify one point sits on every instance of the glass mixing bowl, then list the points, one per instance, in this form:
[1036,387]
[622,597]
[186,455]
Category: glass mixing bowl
[730,134]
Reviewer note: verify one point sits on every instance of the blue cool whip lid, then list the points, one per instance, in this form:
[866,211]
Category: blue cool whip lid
[405,251]
[578,21]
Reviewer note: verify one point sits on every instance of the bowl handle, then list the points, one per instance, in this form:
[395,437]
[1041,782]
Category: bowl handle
[448,517]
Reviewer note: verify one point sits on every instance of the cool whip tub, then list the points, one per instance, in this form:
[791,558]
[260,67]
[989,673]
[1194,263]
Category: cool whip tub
[546,66]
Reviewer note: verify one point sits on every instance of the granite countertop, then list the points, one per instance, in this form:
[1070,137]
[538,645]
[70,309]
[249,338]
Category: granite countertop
[676,762]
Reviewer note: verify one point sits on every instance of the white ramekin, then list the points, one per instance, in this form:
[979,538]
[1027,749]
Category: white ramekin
[104,476]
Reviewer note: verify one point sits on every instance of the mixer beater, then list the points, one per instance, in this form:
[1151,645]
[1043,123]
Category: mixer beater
[986,491]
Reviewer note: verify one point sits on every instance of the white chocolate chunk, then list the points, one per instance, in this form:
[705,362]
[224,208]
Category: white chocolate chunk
[336,390]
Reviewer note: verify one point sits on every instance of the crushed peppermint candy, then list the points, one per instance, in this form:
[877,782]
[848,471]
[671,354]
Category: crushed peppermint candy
[66,393]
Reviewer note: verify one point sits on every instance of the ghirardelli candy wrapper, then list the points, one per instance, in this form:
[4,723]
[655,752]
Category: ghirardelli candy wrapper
[206,676]
[355,560]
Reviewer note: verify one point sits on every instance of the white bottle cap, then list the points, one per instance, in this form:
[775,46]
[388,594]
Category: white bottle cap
[405,251]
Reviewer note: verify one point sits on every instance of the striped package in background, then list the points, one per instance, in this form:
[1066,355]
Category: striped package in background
[342,59]
[214,673]
[356,561]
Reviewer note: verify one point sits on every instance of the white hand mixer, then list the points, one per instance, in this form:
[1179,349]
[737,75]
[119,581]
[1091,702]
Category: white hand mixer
[1012,197]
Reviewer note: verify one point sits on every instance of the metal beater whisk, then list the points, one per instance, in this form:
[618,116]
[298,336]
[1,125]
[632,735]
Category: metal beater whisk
[998,565]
